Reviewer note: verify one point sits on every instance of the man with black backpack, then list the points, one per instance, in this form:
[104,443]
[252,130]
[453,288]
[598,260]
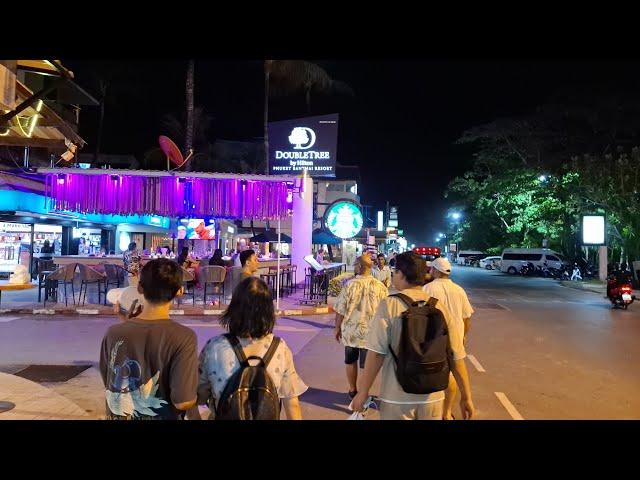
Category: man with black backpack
[414,340]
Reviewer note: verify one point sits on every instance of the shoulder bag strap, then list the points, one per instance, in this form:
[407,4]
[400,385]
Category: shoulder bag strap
[405,298]
[272,350]
[237,348]
[408,301]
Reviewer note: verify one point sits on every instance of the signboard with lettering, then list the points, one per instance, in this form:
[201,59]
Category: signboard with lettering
[344,219]
[304,144]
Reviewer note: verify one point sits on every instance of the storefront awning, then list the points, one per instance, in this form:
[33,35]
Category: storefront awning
[171,194]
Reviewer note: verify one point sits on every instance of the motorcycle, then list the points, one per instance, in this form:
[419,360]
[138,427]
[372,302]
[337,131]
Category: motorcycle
[619,290]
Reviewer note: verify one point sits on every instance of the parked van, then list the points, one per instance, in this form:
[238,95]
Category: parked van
[461,259]
[513,258]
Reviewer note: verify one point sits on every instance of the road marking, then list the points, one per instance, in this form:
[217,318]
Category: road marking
[8,319]
[176,312]
[504,306]
[476,363]
[509,406]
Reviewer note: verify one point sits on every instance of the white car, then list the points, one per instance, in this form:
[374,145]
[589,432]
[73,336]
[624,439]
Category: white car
[490,263]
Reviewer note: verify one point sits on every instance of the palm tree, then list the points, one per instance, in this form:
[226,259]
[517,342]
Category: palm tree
[189,130]
[103,86]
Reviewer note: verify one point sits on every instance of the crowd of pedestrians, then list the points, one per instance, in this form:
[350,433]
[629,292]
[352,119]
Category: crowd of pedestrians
[414,338]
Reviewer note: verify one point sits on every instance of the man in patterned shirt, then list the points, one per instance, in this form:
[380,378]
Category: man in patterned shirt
[355,307]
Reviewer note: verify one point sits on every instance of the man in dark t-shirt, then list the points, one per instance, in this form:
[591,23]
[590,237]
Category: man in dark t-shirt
[148,363]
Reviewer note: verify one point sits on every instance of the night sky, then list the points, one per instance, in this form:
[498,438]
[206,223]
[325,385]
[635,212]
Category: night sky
[399,127]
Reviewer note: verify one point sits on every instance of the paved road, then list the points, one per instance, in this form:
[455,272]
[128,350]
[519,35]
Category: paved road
[550,352]
[554,352]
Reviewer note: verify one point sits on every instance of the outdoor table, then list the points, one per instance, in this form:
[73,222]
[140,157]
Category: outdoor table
[14,286]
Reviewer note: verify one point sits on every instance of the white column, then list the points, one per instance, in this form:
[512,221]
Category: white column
[301,228]
[602,263]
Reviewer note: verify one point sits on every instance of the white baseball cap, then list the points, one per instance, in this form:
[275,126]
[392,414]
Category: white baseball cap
[442,265]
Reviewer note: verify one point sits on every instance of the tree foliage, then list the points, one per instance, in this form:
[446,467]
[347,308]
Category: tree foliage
[535,175]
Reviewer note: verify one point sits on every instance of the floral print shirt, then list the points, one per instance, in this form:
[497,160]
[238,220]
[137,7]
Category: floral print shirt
[357,302]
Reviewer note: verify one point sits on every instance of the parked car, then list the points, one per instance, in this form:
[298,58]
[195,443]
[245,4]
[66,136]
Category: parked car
[512,259]
[463,256]
[491,263]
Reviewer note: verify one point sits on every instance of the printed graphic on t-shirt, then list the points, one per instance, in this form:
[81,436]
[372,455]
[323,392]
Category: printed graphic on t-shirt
[127,396]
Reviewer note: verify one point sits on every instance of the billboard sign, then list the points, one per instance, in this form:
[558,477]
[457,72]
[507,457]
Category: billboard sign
[304,144]
[593,230]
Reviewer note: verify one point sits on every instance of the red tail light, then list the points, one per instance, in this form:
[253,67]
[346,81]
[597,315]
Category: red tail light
[626,289]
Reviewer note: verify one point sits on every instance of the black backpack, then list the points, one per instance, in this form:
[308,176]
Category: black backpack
[250,393]
[422,363]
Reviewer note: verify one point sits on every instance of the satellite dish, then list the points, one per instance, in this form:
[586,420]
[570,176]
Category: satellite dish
[172,152]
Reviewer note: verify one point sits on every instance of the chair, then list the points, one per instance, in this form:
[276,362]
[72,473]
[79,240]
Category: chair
[45,267]
[65,275]
[234,276]
[90,276]
[188,280]
[213,275]
[115,275]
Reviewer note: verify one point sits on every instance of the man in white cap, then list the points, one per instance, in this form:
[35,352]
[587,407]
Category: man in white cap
[456,300]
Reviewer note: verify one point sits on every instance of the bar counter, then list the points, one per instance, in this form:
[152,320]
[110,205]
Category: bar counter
[90,261]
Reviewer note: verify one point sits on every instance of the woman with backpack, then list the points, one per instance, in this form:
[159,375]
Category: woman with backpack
[248,373]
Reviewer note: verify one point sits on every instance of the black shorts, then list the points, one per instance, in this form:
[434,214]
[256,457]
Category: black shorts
[351,355]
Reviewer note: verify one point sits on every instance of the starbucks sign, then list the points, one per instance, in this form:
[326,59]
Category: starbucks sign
[344,219]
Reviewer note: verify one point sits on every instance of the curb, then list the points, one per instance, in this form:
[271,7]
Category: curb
[579,286]
[198,312]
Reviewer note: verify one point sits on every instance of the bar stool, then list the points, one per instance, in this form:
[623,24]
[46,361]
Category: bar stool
[285,280]
[293,275]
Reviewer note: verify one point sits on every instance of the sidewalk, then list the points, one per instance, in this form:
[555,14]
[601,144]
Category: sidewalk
[25,302]
[35,402]
[595,286]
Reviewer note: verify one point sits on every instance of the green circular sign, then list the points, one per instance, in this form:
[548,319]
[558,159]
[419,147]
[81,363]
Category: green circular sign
[344,219]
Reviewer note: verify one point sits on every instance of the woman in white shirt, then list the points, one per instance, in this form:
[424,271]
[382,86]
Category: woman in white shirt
[251,318]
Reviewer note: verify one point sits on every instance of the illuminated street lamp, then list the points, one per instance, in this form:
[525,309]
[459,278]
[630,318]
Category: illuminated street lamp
[542,178]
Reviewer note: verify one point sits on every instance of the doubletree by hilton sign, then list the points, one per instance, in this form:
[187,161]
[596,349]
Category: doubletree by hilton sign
[304,144]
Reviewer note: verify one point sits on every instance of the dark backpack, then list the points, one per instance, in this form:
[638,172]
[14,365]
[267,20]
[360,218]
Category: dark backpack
[250,393]
[422,364]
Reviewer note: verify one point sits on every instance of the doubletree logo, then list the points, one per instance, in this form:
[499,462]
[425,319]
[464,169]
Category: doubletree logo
[302,138]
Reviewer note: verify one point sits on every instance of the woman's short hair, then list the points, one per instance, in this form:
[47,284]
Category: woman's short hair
[251,312]
[160,280]
[412,266]
[132,246]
